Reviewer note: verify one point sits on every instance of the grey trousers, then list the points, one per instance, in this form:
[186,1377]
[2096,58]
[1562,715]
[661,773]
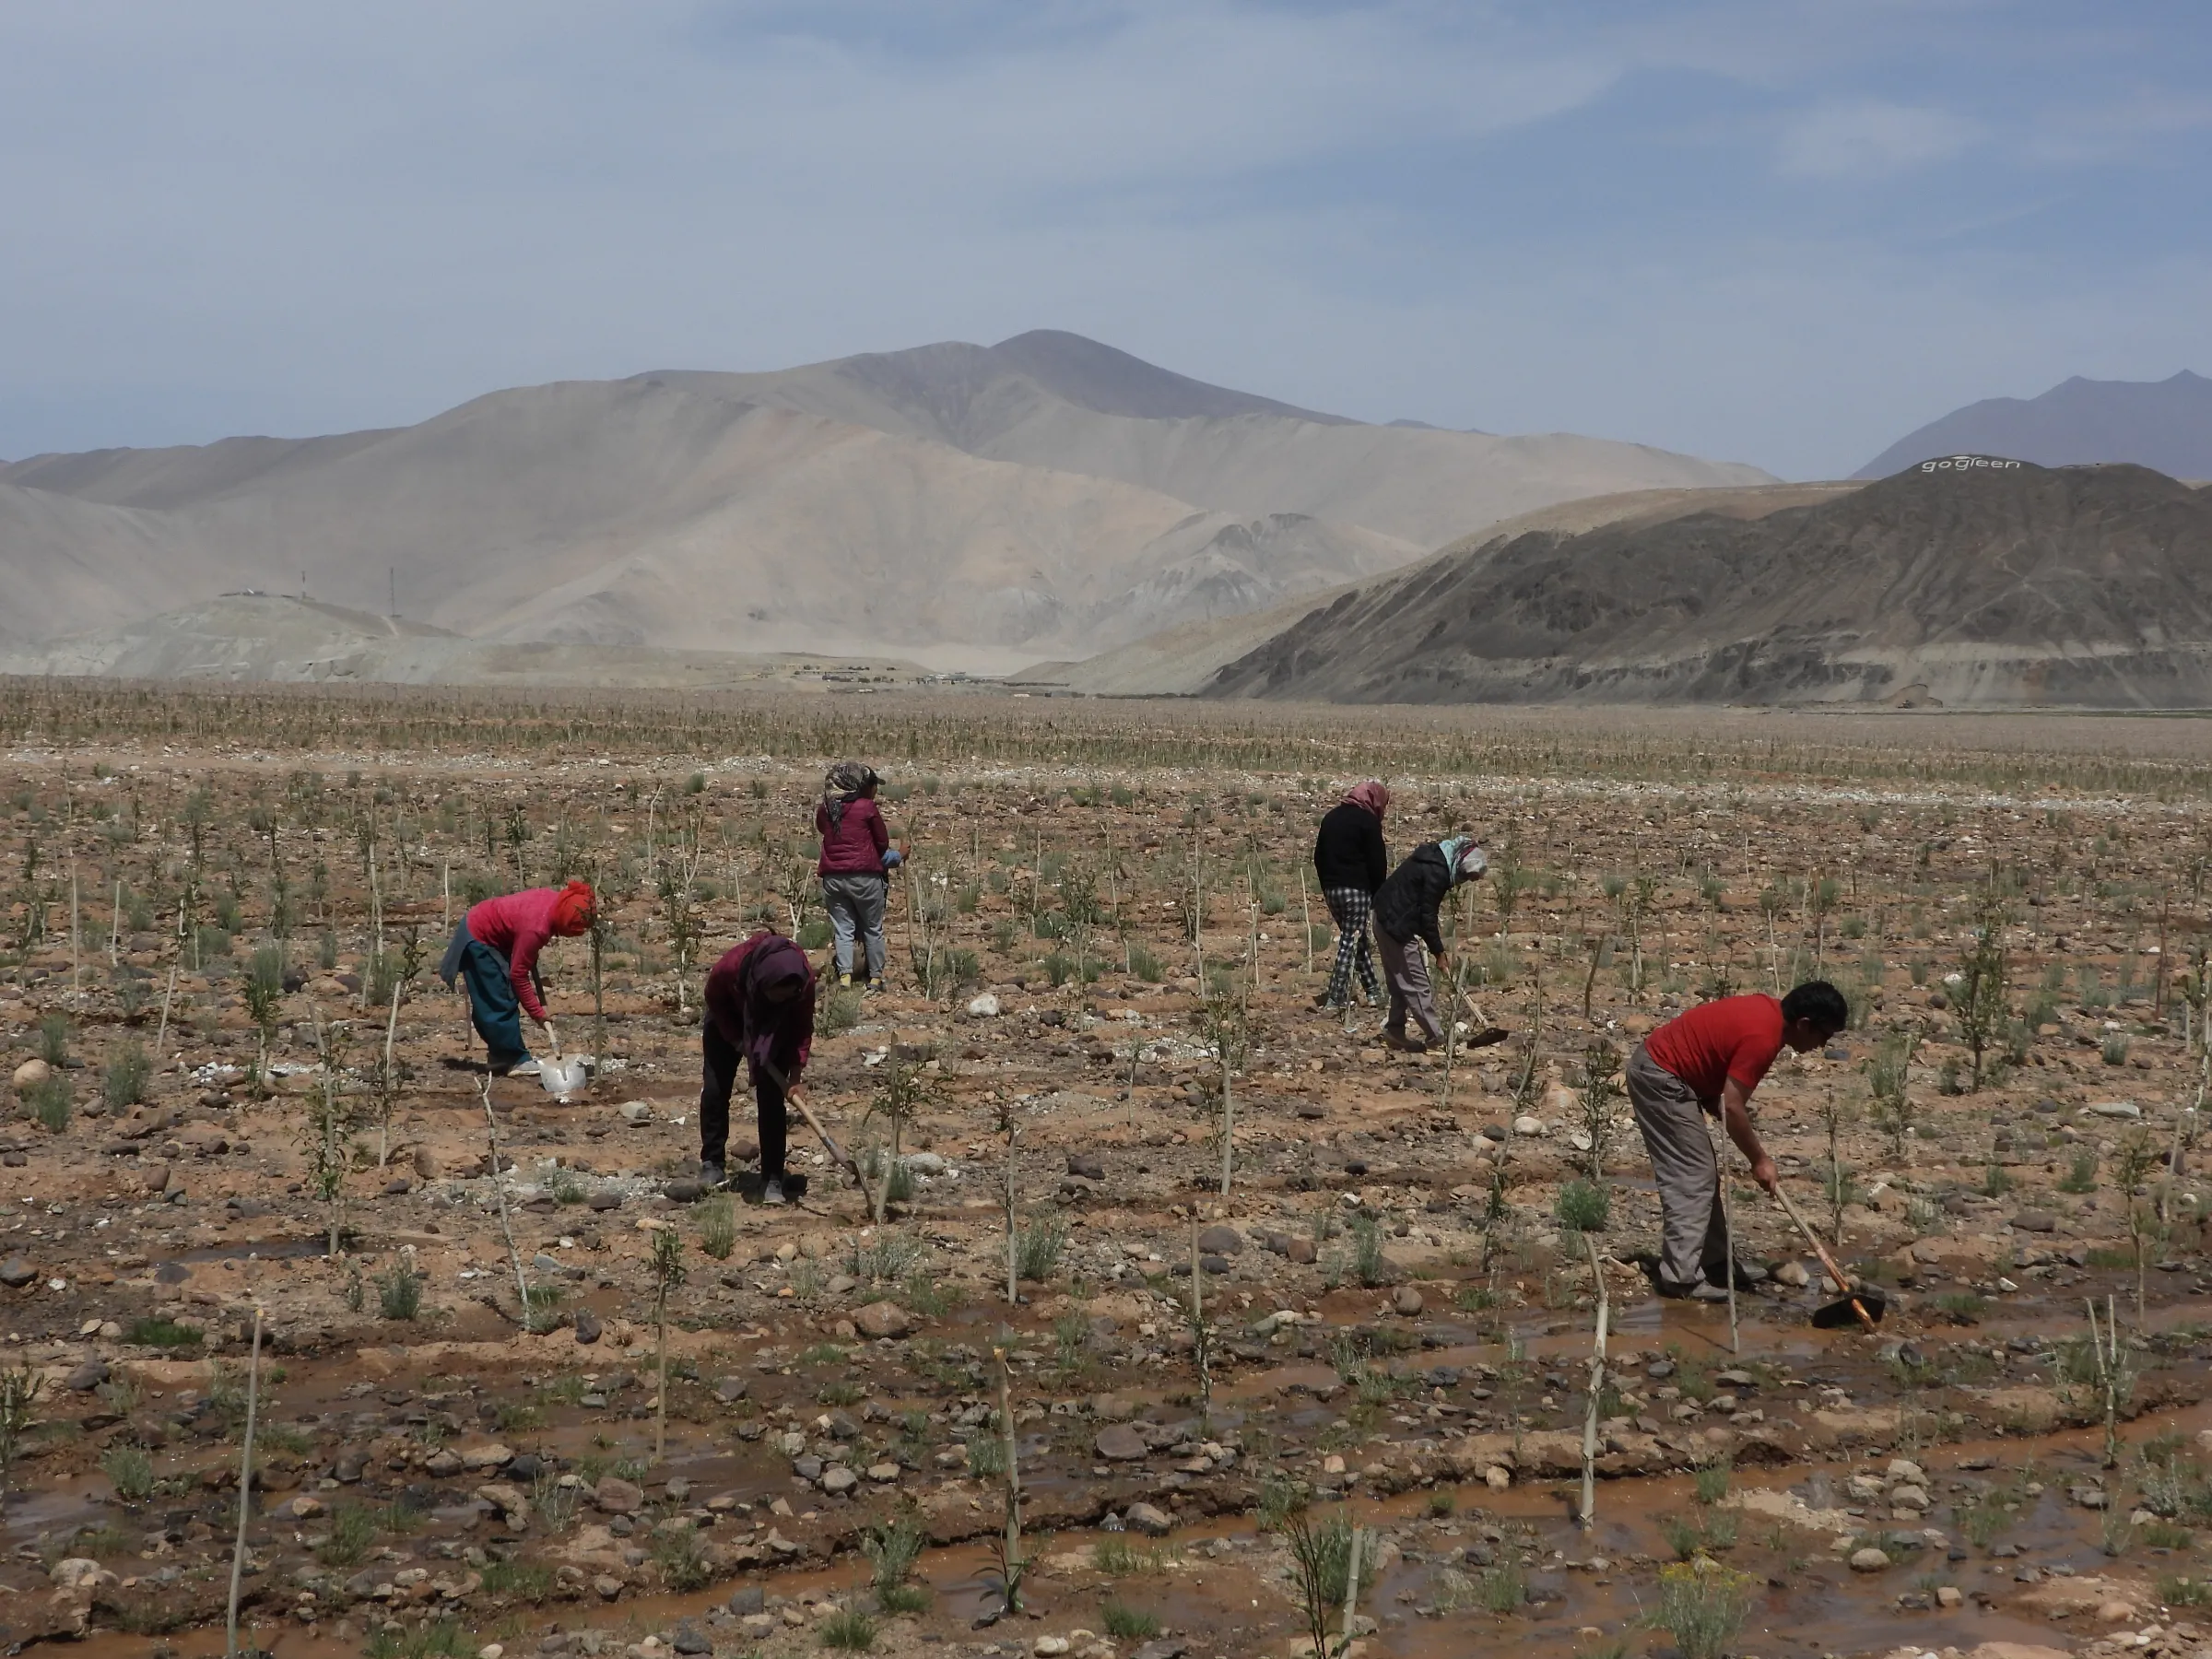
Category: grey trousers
[1406,970]
[1694,1233]
[855,906]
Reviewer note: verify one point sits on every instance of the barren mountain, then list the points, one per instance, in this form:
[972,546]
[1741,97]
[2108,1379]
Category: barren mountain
[986,505]
[2166,425]
[1992,585]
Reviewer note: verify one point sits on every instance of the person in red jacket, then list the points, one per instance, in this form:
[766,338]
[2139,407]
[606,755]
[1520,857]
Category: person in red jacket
[494,952]
[760,1003]
[1705,1064]
[856,862]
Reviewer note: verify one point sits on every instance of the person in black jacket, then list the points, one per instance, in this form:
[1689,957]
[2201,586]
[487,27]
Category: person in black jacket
[1405,910]
[1349,864]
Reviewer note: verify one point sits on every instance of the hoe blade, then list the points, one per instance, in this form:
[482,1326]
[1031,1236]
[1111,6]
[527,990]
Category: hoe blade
[1835,1315]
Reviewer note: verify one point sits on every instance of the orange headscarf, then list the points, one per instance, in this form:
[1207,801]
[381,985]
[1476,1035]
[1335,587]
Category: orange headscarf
[573,910]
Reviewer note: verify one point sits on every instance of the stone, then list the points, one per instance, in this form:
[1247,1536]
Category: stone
[30,1074]
[684,1191]
[587,1326]
[732,1388]
[985,1006]
[79,1572]
[1498,1477]
[303,1508]
[1162,1647]
[1905,1469]
[636,1112]
[1219,1240]
[1909,1498]
[88,1376]
[881,1319]
[1529,1125]
[1949,1595]
[485,1455]
[1794,1275]
[1406,1299]
[1050,1647]
[15,1273]
[606,1198]
[1868,1559]
[748,1600]
[607,1587]
[883,1474]
[760,1626]
[2114,1612]
[690,1640]
[425,1165]
[836,1480]
[616,1496]
[1144,1518]
[2088,1496]
[1903,1268]
[1089,1165]
[2114,1109]
[1302,1250]
[2039,1221]
[1118,1442]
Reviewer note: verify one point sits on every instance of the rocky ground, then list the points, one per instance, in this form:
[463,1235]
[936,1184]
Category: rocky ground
[1393,1320]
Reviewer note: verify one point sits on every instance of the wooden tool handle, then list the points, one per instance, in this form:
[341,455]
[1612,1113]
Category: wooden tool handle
[1842,1279]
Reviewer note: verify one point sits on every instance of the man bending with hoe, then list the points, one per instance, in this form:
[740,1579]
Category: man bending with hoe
[1709,1061]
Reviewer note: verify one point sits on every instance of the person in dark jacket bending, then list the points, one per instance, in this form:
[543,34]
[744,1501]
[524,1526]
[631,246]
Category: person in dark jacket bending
[759,1004]
[1405,910]
[1350,862]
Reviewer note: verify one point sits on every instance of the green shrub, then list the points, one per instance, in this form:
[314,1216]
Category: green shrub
[1037,1248]
[1125,1623]
[123,1083]
[399,1292]
[1584,1207]
[1143,965]
[682,1559]
[54,1039]
[352,1531]
[718,1227]
[157,1330]
[849,1631]
[815,934]
[131,1471]
[1702,1606]
[49,1099]
[842,1010]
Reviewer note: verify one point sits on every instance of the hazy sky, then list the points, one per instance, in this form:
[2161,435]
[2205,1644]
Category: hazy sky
[1783,231]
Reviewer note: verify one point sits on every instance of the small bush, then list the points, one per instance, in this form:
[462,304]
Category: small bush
[518,1581]
[399,1292]
[683,1560]
[352,1531]
[2115,1049]
[849,1631]
[1584,1207]
[157,1330]
[1037,1249]
[1502,1589]
[122,1084]
[842,1010]
[718,1227]
[2081,1175]
[892,1548]
[131,1471]
[1146,966]
[1702,1606]
[1125,1623]
[1711,1483]
[814,934]
[987,1457]
[54,1039]
[49,1101]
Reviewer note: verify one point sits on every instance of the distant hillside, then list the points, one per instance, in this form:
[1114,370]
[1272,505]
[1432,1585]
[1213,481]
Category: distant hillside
[2165,424]
[1994,585]
[982,506]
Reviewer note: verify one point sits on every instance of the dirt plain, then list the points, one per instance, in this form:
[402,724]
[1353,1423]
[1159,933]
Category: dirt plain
[1397,1326]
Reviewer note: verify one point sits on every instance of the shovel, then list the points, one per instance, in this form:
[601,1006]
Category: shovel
[1484,1034]
[838,1155]
[1865,1304]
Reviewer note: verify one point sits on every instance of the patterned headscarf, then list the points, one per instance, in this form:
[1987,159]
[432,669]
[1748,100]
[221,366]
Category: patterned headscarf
[1372,794]
[1463,858]
[845,784]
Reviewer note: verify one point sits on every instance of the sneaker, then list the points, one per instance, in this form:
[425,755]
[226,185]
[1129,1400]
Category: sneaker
[713,1173]
[771,1191]
[1326,1002]
[524,1069]
[844,981]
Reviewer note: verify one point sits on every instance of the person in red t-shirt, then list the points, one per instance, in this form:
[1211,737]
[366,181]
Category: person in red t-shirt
[1708,1062]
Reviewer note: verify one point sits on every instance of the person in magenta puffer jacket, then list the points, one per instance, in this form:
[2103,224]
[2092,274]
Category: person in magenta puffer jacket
[857,857]
[494,953]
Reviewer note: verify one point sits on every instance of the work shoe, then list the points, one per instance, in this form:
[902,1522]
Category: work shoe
[771,1190]
[1703,1291]
[524,1068]
[1403,1043]
[1748,1276]
[713,1173]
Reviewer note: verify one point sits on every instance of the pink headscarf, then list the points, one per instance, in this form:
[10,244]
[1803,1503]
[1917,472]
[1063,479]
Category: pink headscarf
[1373,795]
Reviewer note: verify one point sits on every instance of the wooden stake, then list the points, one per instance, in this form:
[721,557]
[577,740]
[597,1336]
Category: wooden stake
[499,1185]
[245,1490]
[1588,1515]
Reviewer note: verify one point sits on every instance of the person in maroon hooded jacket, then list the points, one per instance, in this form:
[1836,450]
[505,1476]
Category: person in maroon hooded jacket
[856,862]
[759,1006]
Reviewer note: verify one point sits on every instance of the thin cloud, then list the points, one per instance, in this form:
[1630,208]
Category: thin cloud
[1868,140]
